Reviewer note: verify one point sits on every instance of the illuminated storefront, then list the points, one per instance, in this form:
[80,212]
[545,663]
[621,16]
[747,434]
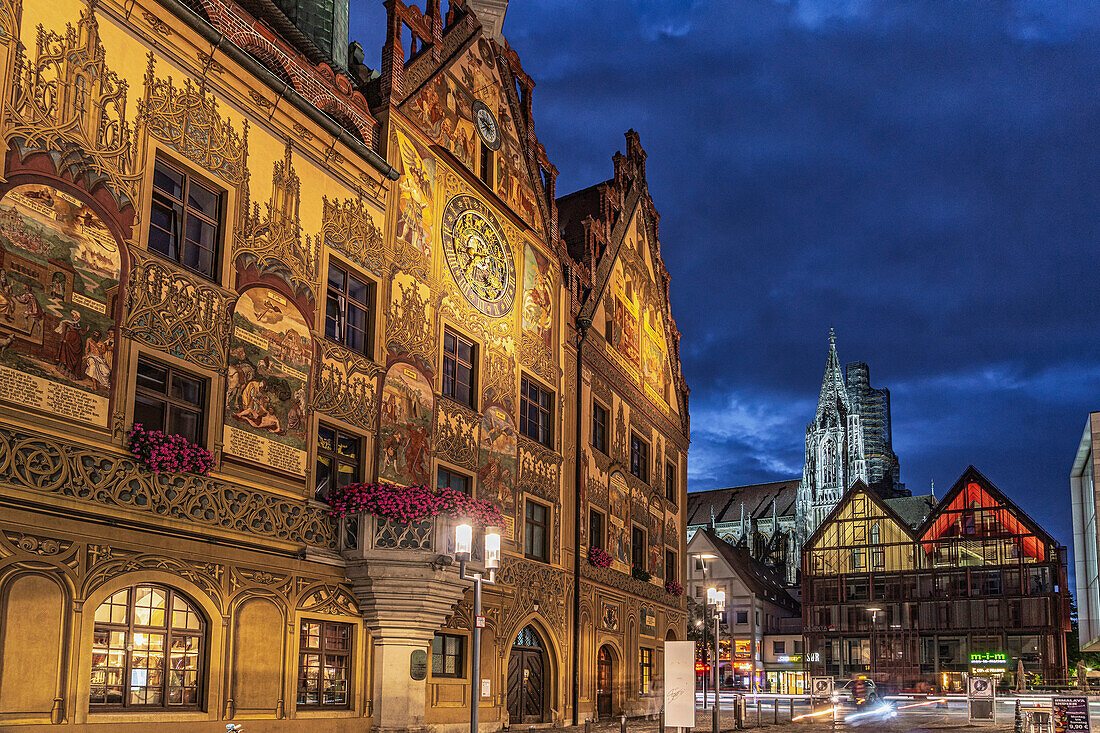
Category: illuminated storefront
[974,588]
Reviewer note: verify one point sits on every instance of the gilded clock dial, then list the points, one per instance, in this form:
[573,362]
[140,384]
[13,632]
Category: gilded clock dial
[478,255]
[487,125]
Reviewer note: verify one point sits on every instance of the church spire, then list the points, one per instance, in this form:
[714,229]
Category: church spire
[832,383]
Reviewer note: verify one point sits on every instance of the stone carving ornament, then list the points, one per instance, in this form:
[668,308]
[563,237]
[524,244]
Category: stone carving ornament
[188,121]
[47,465]
[345,385]
[91,142]
[175,313]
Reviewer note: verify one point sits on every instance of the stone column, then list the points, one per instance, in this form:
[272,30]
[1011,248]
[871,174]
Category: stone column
[407,585]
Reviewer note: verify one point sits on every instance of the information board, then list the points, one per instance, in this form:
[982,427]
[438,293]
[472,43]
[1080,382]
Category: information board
[980,699]
[680,684]
[821,687]
[1071,714]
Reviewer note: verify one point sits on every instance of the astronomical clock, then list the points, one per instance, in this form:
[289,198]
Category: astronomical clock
[479,256]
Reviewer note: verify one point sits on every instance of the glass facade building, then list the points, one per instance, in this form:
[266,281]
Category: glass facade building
[913,608]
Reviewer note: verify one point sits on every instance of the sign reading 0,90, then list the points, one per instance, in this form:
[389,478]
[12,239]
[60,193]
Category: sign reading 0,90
[478,255]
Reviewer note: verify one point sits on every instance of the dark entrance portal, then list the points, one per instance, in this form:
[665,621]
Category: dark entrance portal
[527,678]
[605,678]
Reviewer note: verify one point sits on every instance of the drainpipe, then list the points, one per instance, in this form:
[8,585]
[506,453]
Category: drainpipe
[583,324]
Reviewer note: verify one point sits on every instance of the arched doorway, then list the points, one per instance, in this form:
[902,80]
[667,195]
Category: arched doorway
[527,676]
[605,682]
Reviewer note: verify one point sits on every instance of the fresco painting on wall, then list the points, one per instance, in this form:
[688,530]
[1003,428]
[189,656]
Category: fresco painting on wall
[654,358]
[405,434]
[538,299]
[624,324]
[497,471]
[618,535]
[267,384]
[656,548]
[415,197]
[59,273]
[444,109]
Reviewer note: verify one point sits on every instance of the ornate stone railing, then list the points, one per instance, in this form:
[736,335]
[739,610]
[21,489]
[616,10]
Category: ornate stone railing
[106,479]
[362,534]
[629,584]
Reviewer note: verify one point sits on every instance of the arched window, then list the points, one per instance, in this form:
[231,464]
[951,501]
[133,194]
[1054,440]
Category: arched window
[828,462]
[528,637]
[147,650]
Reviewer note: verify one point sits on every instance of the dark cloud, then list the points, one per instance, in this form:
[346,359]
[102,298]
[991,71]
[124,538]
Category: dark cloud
[921,175]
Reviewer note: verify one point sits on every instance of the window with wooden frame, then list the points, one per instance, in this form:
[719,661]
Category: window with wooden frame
[349,309]
[445,478]
[638,547]
[645,671]
[536,406]
[595,529]
[185,218]
[448,655]
[639,457]
[670,565]
[599,427]
[324,664]
[670,481]
[485,171]
[170,400]
[459,368]
[536,531]
[147,650]
[339,460]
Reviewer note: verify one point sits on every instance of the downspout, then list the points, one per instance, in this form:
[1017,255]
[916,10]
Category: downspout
[583,324]
[239,56]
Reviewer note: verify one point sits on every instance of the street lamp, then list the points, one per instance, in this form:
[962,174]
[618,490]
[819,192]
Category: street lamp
[874,652]
[719,603]
[703,557]
[464,535]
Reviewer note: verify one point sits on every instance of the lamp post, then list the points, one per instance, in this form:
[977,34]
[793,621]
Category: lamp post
[874,652]
[702,557]
[464,536]
[717,598]
[700,625]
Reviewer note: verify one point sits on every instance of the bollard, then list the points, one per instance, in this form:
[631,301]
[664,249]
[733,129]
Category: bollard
[775,711]
[588,725]
[661,721]
[622,723]
[758,711]
[792,709]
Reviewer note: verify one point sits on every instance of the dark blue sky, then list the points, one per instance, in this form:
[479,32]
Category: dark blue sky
[922,176]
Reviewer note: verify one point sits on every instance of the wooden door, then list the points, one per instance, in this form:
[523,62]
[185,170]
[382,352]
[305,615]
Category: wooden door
[526,679]
[605,676]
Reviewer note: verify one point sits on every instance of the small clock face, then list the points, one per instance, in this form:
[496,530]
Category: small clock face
[487,126]
[478,255]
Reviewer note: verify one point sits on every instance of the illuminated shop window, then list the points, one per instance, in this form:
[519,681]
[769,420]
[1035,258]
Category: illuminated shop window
[147,650]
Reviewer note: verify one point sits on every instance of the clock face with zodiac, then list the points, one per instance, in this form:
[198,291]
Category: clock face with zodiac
[486,125]
[478,255]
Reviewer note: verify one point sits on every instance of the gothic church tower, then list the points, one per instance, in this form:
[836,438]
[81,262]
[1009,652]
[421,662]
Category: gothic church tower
[835,457]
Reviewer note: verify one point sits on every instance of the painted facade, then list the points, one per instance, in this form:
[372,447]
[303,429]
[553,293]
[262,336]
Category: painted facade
[266,252]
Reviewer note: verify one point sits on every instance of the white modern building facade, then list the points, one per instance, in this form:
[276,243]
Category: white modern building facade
[1086,537]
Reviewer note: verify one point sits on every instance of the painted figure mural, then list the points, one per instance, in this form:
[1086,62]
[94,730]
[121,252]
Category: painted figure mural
[497,471]
[415,198]
[538,298]
[624,322]
[59,275]
[266,406]
[654,358]
[405,435]
[444,107]
[618,534]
